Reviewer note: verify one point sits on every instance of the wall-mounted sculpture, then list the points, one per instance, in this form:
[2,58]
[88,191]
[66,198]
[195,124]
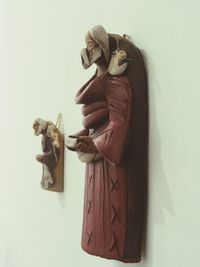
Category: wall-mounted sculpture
[113,144]
[52,157]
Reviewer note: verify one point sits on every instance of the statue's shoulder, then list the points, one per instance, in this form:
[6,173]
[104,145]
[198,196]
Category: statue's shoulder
[118,81]
[119,85]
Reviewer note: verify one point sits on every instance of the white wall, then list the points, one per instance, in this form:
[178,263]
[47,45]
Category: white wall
[40,72]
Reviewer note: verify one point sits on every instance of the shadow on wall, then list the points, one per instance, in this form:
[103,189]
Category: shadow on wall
[158,198]
[62,196]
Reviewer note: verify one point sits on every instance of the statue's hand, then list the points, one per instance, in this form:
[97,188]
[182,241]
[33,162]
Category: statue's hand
[71,142]
[85,144]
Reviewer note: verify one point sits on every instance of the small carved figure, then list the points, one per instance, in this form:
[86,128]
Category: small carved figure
[52,150]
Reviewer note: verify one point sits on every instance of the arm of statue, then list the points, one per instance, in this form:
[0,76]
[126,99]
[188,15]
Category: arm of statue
[113,140]
[85,148]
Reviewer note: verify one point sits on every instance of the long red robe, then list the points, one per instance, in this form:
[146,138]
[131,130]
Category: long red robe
[107,104]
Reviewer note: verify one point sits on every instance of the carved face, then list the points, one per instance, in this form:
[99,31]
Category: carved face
[90,43]
[39,126]
[91,53]
[35,127]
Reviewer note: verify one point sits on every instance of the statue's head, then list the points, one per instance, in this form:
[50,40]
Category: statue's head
[39,126]
[97,47]
[98,51]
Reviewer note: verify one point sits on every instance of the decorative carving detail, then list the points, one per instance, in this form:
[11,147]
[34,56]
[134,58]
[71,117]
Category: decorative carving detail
[89,205]
[114,243]
[113,184]
[90,179]
[89,237]
[115,214]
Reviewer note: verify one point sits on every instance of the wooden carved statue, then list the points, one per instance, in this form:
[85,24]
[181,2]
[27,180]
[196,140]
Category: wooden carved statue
[113,144]
[53,155]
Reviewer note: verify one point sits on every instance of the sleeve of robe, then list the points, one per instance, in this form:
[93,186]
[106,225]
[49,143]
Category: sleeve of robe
[112,142]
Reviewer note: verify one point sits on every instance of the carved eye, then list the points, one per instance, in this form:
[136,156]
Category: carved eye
[120,62]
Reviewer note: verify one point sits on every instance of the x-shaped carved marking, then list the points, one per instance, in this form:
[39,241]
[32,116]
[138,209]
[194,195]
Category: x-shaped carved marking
[89,205]
[115,214]
[90,179]
[89,237]
[113,184]
[114,244]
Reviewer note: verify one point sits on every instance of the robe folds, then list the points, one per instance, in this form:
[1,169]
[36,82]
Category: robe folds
[107,105]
